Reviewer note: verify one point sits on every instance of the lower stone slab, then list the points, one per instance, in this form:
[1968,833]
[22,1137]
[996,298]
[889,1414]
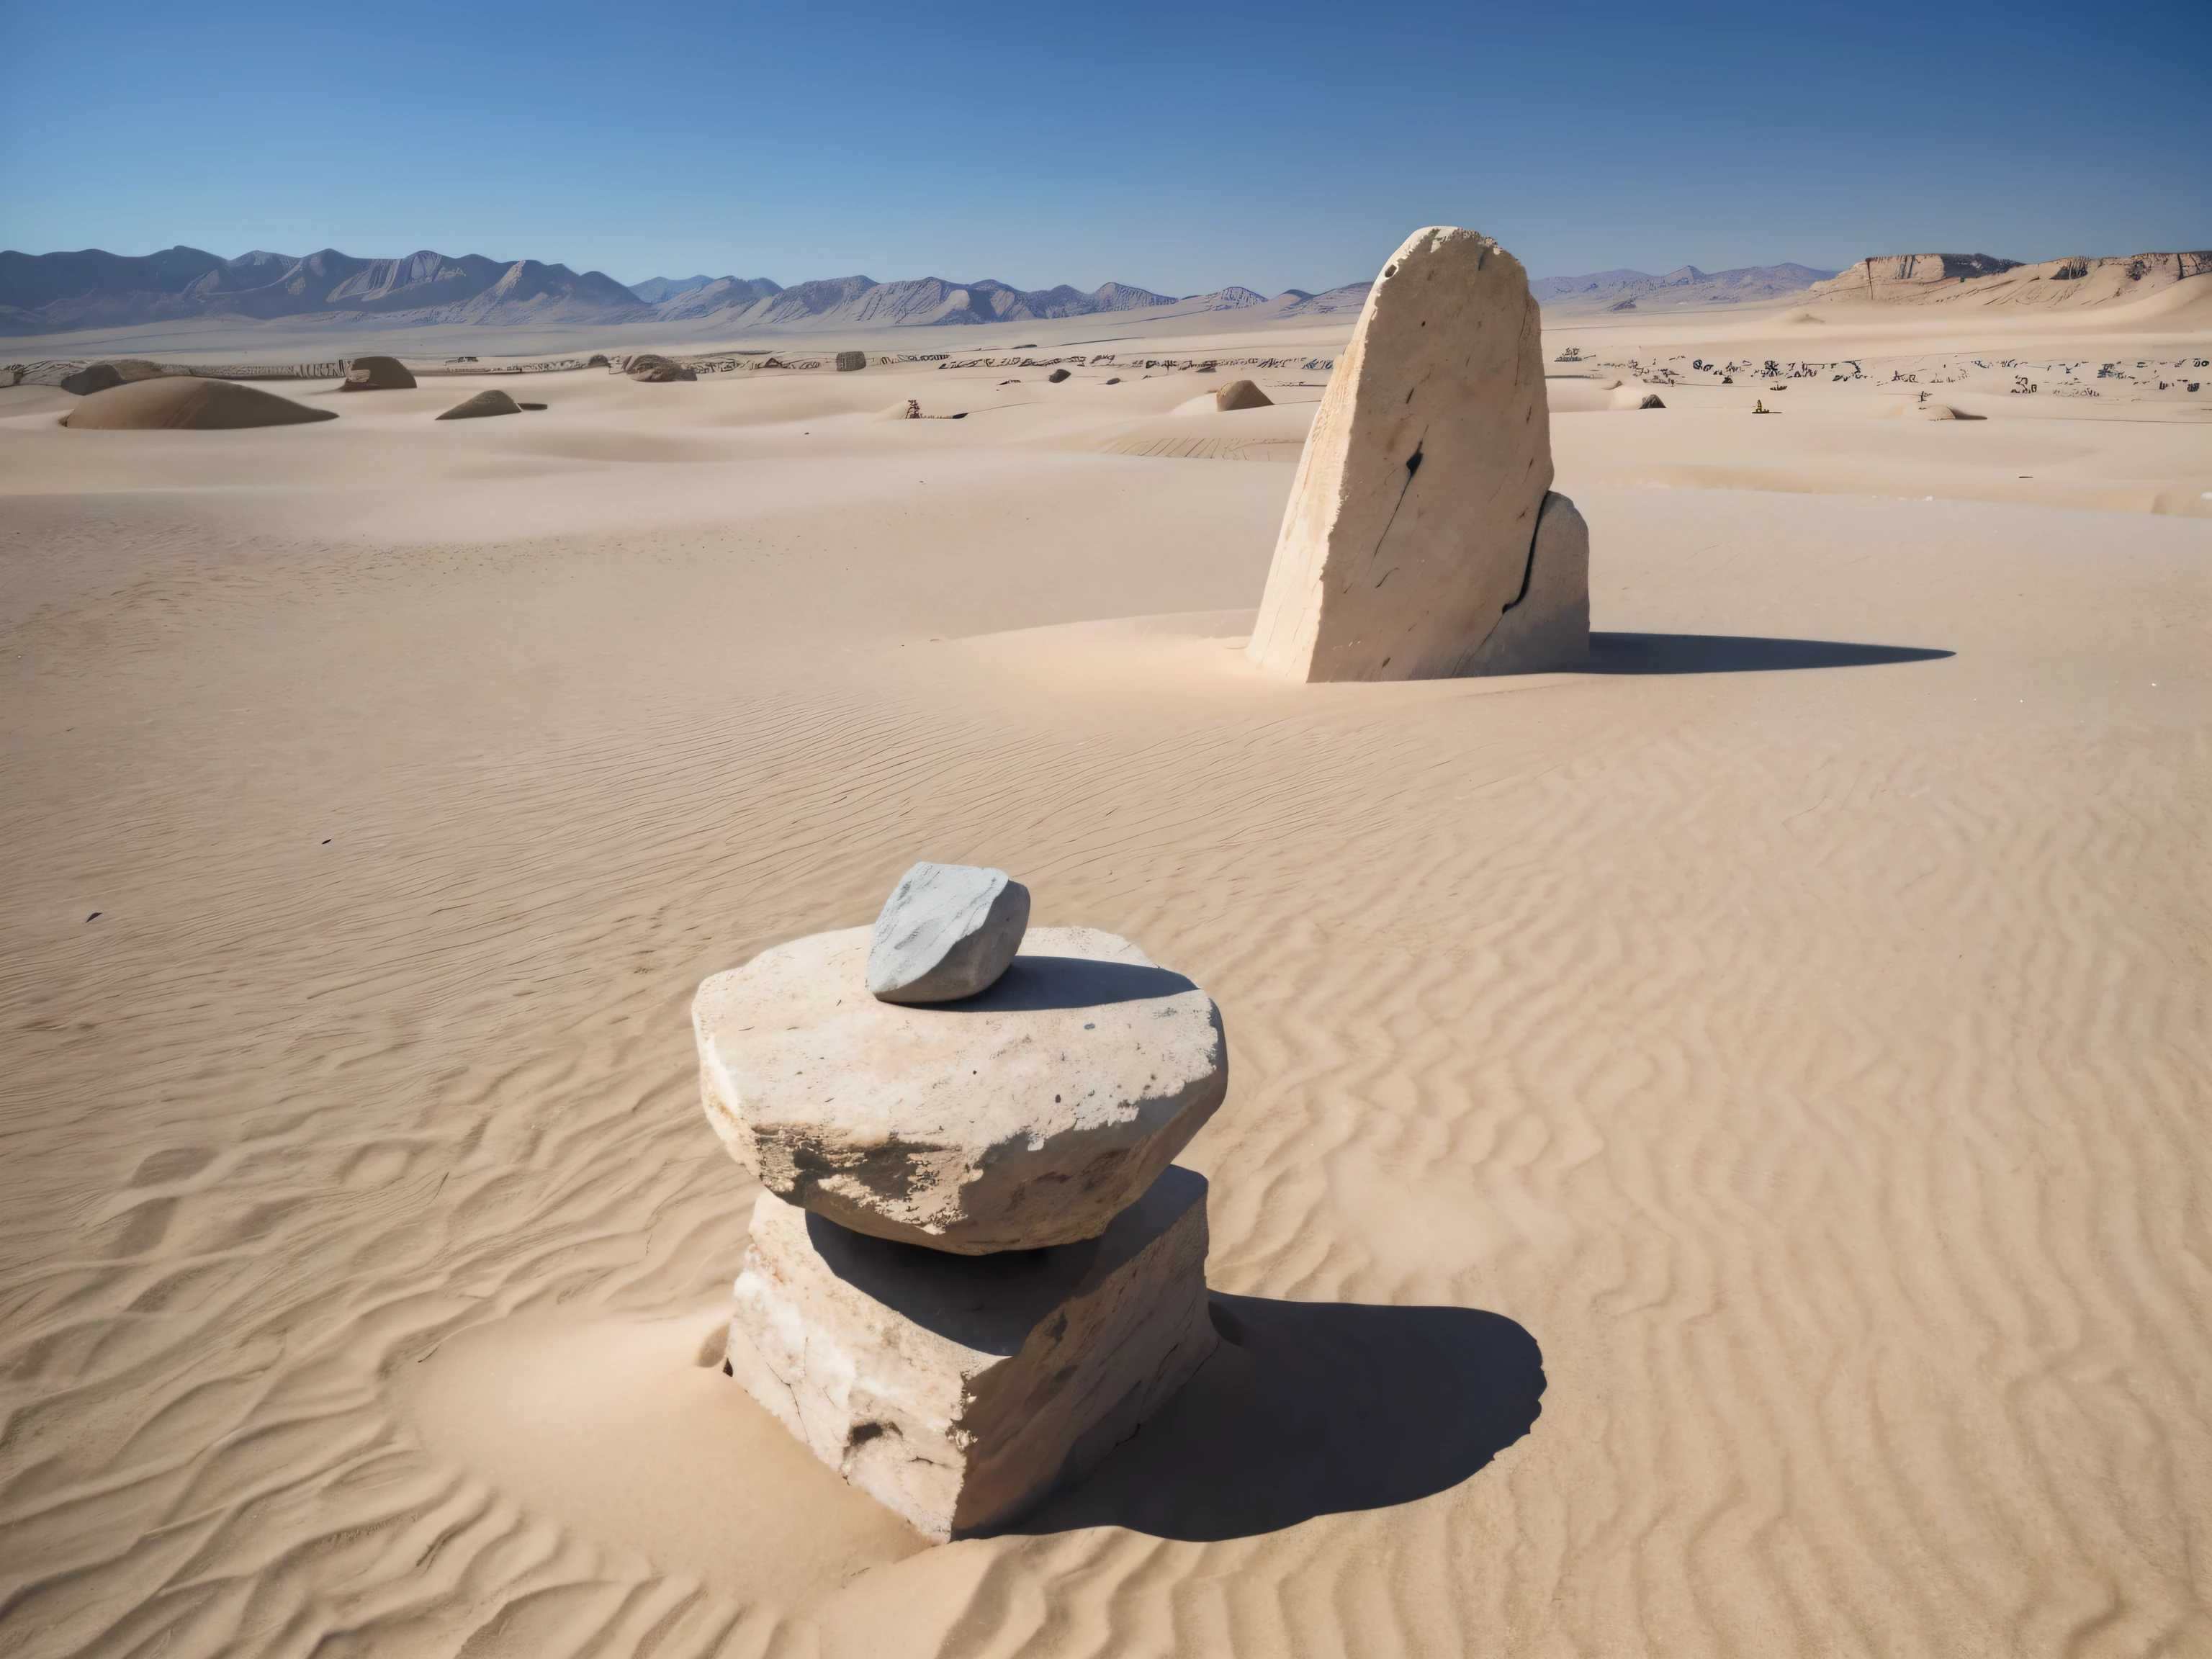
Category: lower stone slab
[960,1391]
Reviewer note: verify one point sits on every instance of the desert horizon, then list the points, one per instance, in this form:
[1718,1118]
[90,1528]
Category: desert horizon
[1506,958]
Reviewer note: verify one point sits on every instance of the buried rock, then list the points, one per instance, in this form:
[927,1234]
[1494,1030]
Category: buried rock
[186,404]
[377,374]
[849,361]
[493,402]
[1241,394]
[658,371]
[1056,377]
[947,930]
[93,377]
[1025,1117]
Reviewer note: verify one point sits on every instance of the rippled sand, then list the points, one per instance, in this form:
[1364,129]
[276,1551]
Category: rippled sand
[1718,1153]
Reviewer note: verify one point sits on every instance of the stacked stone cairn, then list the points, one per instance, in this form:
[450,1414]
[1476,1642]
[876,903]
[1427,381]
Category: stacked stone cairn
[973,1270]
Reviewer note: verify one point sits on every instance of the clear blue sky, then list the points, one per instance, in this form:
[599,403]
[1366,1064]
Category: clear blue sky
[1178,147]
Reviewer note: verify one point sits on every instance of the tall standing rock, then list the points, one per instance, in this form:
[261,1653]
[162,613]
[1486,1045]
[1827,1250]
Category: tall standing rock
[1412,528]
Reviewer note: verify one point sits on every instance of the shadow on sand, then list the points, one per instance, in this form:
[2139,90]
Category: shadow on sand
[1735,654]
[1313,1408]
[1037,982]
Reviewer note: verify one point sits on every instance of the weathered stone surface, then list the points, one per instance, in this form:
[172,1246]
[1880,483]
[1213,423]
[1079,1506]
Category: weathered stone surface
[1547,627]
[963,1391]
[1058,375]
[377,374]
[656,370]
[1241,394]
[946,932]
[849,361]
[491,402]
[1409,525]
[1028,1117]
[182,403]
[93,377]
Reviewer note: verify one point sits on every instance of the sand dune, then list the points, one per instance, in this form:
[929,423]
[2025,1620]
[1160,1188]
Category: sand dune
[1715,1141]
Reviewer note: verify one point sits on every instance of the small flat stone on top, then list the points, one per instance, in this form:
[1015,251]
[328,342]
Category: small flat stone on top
[948,931]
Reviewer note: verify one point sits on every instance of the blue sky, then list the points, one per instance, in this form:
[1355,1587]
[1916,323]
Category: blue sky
[1181,148]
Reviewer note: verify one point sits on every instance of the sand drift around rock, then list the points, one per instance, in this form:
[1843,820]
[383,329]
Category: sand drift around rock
[491,402]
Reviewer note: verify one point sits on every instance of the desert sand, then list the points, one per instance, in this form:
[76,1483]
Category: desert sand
[1717,1154]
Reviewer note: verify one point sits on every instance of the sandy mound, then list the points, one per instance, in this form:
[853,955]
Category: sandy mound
[493,402]
[1635,396]
[180,403]
[378,374]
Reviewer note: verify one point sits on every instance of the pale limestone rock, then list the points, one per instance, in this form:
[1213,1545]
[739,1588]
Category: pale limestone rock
[963,1391]
[946,932]
[1409,525]
[1028,1117]
[1547,626]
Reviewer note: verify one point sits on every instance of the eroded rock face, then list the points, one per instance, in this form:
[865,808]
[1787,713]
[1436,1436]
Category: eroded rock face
[377,374]
[947,930]
[1410,523]
[1547,627]
[960,1392]
[1025,1117]
[93,377]
[1241,394]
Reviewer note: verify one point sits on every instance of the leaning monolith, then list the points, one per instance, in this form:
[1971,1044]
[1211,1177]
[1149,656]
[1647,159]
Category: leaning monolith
[1412,531]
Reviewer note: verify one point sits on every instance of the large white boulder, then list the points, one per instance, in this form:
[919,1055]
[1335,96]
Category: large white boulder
[962,1391]
[1026,1116]
[1410,524]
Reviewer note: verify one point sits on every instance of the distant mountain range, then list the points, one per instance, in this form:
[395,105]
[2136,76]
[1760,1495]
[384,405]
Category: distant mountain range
[1622,290]
[59,293]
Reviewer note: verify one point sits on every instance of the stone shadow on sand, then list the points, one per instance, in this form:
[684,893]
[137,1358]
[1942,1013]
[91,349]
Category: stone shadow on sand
[1313,1408]
[1735,654]
[1035,983]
